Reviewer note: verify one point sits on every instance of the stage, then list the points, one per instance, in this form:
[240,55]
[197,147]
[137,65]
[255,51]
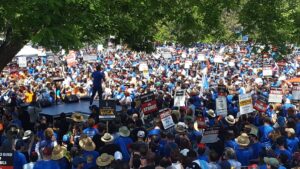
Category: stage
[68,108]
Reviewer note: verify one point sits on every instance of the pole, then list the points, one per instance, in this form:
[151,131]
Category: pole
[107,126]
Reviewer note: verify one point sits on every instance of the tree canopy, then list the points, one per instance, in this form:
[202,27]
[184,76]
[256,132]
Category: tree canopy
[67,24]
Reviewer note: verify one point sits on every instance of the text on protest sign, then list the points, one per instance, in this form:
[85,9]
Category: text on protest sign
[143,67]
[261,104]
[210,135]
[107,110]
[267,70]
[296,91]
[245,102]
[179,99]
[166,118]
[71,59]
[148,103]
[275,95]
[221,106]
[6,160]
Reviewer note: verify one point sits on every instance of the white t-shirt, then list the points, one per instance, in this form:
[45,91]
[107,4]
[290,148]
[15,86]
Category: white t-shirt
[29,165]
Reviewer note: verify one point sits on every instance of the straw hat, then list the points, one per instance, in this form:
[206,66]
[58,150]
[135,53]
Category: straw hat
[199,124]
[211,113]
[104,160]
[87,144]
[106,138]
[124,131]
[290,130]
[180,127]
[230,119]
[58,152]
[77,117]
[243,140]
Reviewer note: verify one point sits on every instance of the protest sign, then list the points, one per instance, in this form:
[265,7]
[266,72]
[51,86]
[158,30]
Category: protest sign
[275,95]
[179,99]
[13,68]
[6,160]
[296,91]
[107,110]
[218,59]
[267,70]
[148,103]
[221,106]
[22,61]
[188,64]
[166,55]
[166,118]
[261,104]
[89,58]
[245,102]
[143,67]
[210,135]
[71,59]
[201,57]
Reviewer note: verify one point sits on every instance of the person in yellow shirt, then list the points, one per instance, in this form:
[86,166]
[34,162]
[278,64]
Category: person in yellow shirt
[28,95]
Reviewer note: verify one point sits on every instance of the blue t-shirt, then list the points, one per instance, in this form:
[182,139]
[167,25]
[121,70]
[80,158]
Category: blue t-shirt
[264,132]
[97,79]
[257,148]
[292,144]
[286,152]
[244,155]
[49,164]
[123,142]
[90,158]
[19,160]
[90,132]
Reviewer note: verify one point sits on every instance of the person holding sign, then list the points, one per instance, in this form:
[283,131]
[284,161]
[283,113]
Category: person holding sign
[98,77]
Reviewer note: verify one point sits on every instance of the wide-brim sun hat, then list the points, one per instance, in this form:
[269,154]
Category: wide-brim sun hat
[243,140]
[230,119]
[124,131]
[106,138]
[58,152]
[104,160]
[77,117]
[27,134]
[87,144]
[211,113]
[180,127]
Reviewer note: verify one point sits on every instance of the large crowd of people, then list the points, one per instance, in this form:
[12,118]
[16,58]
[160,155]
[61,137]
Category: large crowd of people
[207,127]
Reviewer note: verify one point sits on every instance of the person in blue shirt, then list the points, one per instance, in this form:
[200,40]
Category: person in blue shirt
[124,141]
[256,146]
[88,152]
[90,131]
[280,148]
[19,158]
[292,142]
[46,162]
[98,77]
[264,131]
[244,153]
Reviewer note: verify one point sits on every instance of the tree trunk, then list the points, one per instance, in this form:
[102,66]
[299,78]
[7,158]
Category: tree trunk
[8,51]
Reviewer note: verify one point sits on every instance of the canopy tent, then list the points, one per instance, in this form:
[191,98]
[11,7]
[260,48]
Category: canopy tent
[28,51]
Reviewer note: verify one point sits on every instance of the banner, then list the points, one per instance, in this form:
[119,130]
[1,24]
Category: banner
[210,135]
[90,58]
[221,106]
[245,102]
[166,118]
[107,110]
[22,61]
[71,59]
[148,103]
[6,160]
[143,67]
[296,91]
[179,99]
[275,95]
[261,104]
